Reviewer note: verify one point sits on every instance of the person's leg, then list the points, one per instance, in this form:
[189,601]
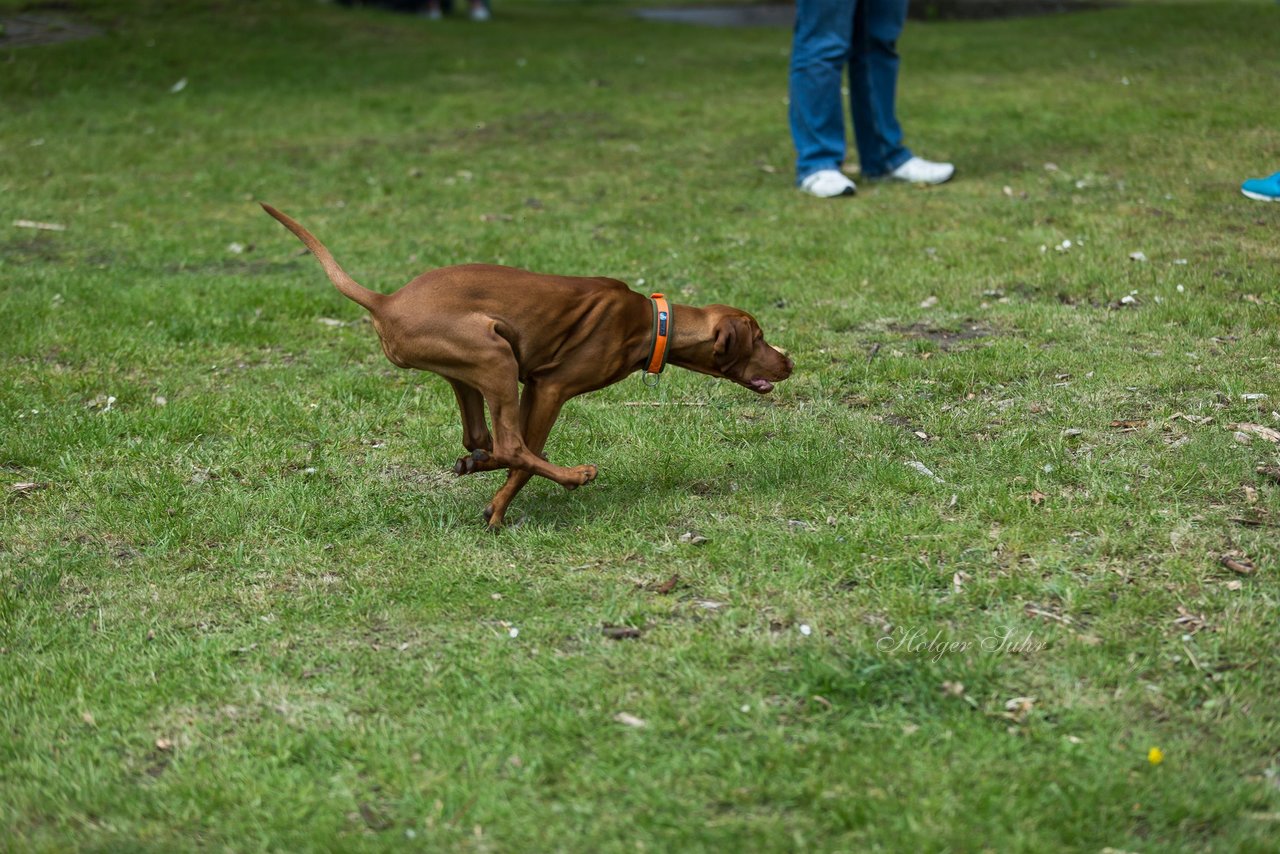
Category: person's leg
[873,85]
[819,53]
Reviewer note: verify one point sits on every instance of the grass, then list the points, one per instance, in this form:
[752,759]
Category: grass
[261,615]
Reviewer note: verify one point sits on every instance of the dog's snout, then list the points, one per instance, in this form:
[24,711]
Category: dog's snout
[788,363]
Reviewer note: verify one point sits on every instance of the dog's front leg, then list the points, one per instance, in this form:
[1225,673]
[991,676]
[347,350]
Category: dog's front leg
[540,407]
[509,447]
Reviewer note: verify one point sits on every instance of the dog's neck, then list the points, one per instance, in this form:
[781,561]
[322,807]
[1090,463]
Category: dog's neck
[691,339]
[691,345]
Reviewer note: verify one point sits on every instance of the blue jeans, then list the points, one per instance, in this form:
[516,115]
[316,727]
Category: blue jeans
[829,35]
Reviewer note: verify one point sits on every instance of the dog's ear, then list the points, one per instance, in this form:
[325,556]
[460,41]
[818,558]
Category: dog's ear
[726,336]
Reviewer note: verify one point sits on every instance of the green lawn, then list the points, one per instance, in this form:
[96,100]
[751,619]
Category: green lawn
[248,608]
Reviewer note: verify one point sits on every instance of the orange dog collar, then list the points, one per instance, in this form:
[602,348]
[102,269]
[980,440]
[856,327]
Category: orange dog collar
[663,326]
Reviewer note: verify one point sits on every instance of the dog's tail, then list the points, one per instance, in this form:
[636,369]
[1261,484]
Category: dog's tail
[349,287]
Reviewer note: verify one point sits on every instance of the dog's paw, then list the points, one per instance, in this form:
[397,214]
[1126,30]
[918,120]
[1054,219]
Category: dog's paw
[472,462]
[581,476]
[493,519]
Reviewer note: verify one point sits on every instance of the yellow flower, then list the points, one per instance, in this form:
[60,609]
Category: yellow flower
[1155,756]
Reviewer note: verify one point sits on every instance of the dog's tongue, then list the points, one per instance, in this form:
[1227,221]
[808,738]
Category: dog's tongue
[761,385]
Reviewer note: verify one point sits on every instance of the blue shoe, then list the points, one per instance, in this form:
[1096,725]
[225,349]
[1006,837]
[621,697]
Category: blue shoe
[1263,189]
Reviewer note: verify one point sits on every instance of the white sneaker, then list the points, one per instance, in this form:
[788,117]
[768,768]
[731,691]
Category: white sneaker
[917,170]
[827,184]
[479,12]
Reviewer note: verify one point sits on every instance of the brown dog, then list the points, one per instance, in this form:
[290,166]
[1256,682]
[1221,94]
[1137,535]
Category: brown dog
[486,329]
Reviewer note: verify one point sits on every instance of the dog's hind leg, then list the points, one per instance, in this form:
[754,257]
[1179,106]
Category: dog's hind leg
[476,437]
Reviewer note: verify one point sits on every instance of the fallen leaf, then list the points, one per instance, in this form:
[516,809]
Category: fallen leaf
[630,720]
[1189,622]
[1238,564]
[1137,256]
[1250,494]
[22,489]
[1257,430]
[953,689]
[958,579]
[1128,425]
[1270,472]
[179,86]
[164,744]
[929,302]
[619,632]
[1037,497]
[667,586]
[1019,708]
[693,539]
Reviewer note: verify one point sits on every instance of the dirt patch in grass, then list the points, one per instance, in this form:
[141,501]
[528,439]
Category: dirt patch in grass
[945,339]
[43,24]
[433,478]
[28,249]
[237,267]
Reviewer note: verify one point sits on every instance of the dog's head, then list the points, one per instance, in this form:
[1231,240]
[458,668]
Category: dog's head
[740,353]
